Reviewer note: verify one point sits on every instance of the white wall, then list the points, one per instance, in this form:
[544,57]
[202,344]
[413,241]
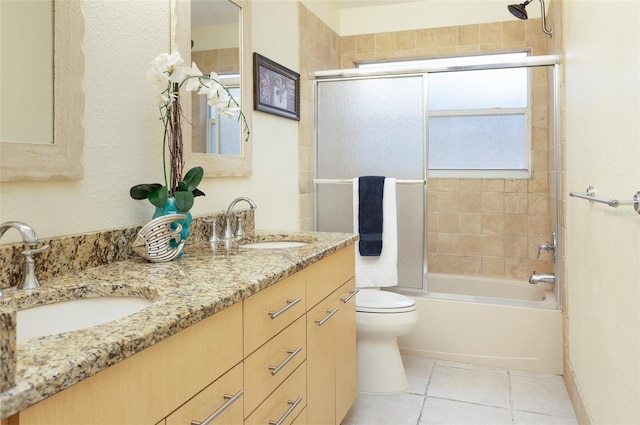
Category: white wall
[427,14]
[602,43]
[274,184]
[123,137]
[412,15]
[223,36]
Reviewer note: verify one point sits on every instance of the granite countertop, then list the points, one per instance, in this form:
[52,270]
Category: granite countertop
[184,291]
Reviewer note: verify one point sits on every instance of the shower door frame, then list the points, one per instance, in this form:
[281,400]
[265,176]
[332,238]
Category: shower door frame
[553,61]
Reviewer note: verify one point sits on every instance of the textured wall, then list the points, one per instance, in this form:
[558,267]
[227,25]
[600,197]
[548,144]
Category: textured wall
[602,88]
[319,46]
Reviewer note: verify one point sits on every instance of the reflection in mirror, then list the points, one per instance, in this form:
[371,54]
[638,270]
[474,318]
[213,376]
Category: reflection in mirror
[215,47]
[26,77]
[210,33]
[42,134]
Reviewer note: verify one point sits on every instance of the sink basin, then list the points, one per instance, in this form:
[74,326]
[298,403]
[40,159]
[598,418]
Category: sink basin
[274,244]
[73,315]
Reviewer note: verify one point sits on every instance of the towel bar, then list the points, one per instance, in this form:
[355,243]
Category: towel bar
[590,196]
[349,181]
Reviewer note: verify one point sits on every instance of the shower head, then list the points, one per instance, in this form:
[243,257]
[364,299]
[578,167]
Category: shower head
[518,10]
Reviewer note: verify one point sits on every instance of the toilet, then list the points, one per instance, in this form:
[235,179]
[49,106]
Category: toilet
[381,317]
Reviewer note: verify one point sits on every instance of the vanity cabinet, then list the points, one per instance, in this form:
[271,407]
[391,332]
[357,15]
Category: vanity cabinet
[148,386]
[331,339]
[284,355]
[283,345]
[331,357]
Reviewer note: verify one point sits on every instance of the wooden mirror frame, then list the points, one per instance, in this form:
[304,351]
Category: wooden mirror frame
[62,159]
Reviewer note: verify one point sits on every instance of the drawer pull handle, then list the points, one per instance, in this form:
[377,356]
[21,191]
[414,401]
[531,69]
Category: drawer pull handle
[293,404]
[292,354]
[327,317]
[290,303]
[230,400]
[348,297]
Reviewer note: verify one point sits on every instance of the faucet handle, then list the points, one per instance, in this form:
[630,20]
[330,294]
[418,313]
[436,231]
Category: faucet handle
[547,246]
[30,252]
[214,229]
[30,280]
[239,226]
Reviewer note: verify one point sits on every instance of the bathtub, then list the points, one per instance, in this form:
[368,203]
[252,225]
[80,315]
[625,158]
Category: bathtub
[485,321]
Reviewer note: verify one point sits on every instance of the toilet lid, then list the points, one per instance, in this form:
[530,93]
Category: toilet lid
[377,301]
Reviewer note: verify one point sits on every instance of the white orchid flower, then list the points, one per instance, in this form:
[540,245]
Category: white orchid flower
[178,74]
[231,111]
[194,75]
[172,61]
[210,88]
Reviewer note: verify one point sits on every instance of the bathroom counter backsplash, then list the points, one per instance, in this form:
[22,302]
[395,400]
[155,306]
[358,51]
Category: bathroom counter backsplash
[184,291]
[84,251]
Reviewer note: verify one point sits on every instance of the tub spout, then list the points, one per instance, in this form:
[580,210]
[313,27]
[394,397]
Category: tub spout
[542,277]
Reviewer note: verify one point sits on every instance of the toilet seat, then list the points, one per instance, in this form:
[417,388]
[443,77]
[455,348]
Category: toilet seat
[377,301]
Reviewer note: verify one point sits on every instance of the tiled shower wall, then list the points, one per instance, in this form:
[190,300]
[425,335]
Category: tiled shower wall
[319,46]
[218,60]
[487,227]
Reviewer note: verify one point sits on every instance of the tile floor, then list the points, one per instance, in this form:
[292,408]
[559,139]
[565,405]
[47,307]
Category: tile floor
[443,392]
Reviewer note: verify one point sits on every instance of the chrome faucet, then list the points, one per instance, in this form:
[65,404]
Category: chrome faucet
[229,232]
[30,238]
[542,277]
[28,234]
[548,246]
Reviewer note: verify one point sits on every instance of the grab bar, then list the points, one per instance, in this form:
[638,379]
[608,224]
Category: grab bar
[614,203]
[349,181]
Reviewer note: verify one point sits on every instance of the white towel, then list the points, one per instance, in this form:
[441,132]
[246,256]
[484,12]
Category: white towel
[382,270]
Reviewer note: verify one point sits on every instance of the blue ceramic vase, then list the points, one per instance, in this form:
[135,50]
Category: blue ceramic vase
[170,208]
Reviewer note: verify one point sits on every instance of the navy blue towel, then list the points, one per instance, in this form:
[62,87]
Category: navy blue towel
[370,192]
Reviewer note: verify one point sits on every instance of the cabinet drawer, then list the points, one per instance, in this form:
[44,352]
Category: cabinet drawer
[223,397]
[285,403]
[327,275]
[268,366]
[273,309]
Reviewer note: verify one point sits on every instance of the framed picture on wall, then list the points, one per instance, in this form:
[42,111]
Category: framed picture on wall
[276,89]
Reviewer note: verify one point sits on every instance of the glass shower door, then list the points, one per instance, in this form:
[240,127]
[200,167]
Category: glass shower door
[374,127]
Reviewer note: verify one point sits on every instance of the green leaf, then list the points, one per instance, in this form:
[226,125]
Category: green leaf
[159,196]
[142,191]
[193,178]
[197,192]
[184,201]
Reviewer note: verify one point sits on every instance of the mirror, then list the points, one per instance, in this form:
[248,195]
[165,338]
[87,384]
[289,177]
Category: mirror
[26,80]
[215,47]
[210,33]
[42,134]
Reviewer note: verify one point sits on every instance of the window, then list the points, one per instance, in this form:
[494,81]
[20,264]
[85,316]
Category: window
[478,120]
[222,131]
